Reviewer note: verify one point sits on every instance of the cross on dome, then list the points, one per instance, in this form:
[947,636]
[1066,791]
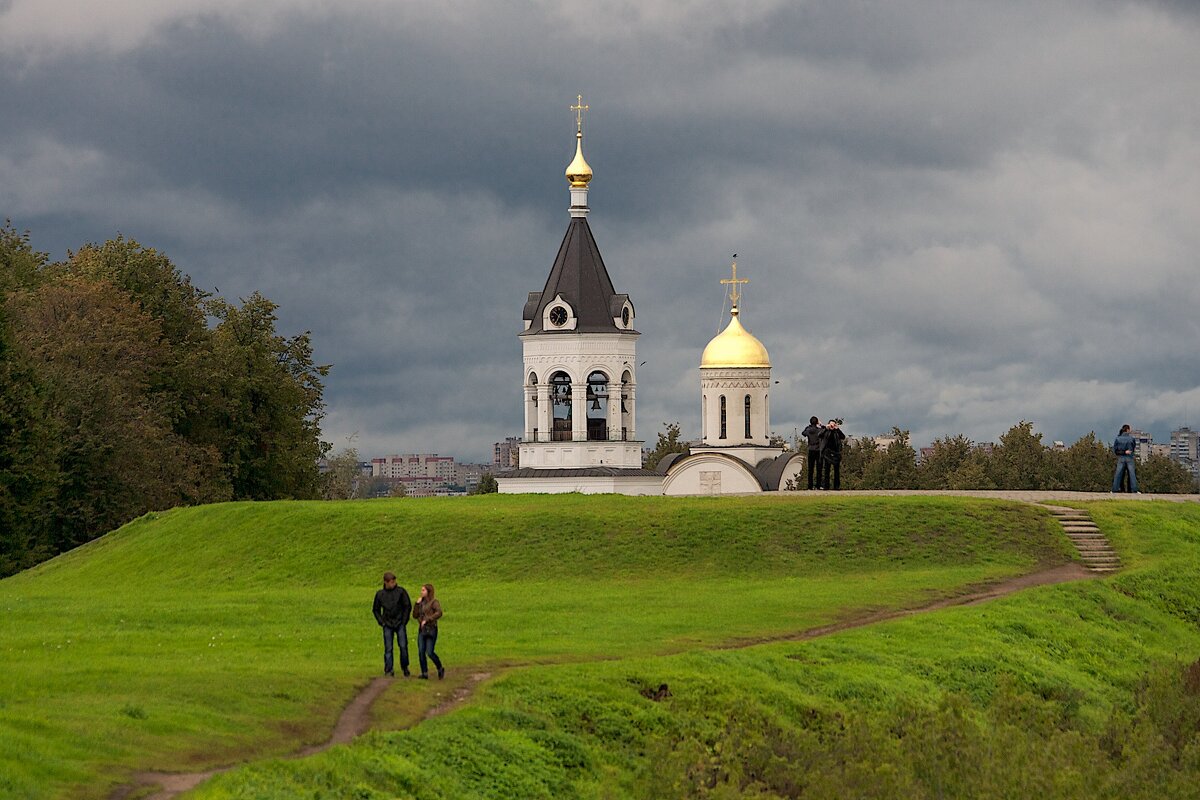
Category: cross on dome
[734,295]
[579,108]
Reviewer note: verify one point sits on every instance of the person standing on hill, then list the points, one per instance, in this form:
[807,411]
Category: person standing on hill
[831,454]
[391,609]
[813,434]
[427,613]
[1124,447]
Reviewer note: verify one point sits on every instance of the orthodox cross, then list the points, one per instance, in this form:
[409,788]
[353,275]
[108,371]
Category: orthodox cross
[735,295]
[579,109]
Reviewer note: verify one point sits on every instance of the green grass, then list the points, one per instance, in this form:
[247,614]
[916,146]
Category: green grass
[1064,691]
[207,635]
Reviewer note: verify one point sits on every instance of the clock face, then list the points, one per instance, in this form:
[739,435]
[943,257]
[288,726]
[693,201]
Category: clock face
[558,316]
[625,317]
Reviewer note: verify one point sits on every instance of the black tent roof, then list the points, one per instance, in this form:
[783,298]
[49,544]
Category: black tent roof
[579,276]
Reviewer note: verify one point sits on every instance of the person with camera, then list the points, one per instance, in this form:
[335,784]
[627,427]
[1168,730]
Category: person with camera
[831,454]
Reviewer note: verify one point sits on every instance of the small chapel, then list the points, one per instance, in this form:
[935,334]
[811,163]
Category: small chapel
[579,376]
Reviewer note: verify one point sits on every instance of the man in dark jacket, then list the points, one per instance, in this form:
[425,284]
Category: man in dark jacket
[813,434]
[831,454]
[391,609]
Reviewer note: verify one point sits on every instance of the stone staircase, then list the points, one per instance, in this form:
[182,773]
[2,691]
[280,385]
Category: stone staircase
[1095,551]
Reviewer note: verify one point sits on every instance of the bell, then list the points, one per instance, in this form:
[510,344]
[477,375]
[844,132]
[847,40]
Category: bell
[595,403]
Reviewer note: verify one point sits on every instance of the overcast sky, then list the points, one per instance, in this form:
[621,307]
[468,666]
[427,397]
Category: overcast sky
[954,216]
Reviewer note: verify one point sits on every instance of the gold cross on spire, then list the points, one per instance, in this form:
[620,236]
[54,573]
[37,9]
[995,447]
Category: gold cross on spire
[579,109]
[735,295]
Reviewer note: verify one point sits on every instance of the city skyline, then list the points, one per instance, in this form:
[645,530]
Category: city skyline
[952,219]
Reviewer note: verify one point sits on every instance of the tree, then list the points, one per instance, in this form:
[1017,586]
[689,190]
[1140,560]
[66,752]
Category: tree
[857,455]
[668,442]
[893,468]
[1160,475]
[268,402]
[487,484]
[973,473]
[1019,461]
[342,479]
[948,455]
[94,351]
[1086,466]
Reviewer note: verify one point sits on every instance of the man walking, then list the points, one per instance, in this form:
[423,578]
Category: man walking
[392,608]
[1124,446]
[813,434]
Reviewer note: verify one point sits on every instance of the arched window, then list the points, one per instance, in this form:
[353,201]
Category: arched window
[722,417]
[747,416]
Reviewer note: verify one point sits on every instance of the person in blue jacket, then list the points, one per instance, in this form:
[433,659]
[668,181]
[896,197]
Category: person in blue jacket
[1123,447]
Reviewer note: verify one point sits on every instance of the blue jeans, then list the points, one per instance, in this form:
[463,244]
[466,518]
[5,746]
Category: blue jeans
[1125,464]
[401,635]
[426,639]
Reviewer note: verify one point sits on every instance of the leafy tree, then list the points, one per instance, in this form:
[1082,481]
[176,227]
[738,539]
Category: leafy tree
[1019,462]
[895,467]
[150,279]
[268,403]
[1160,475]
[857,456]
[948,455]
[342,479]
[973,473]
[668,442]
[487,484]
[398,489]
[93,351]
[1086,466]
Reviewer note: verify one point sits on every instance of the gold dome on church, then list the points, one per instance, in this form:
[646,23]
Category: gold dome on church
[735,347]
[578,171]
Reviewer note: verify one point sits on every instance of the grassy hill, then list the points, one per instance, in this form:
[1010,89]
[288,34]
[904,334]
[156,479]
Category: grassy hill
[1085,690]
[205,635]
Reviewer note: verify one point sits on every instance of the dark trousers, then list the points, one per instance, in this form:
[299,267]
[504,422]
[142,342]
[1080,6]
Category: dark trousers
[426,640]
[814,467]
[401,635]
[836,466]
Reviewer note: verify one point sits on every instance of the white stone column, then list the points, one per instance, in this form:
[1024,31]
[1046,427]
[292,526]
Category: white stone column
[631,434]
[531,412]
[614,411]
[579,412]
[545,412]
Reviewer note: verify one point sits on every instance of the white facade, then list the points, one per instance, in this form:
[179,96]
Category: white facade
[581,401]
[734,406]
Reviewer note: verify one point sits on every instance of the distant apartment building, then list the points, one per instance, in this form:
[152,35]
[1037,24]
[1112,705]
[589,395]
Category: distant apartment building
[505,454]
[416,465]
[1185,448]
[1142,442]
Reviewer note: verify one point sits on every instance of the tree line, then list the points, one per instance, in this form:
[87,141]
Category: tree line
[126,389]
[1018,462]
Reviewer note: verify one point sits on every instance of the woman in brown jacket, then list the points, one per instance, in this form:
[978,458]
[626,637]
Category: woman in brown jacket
[427,612]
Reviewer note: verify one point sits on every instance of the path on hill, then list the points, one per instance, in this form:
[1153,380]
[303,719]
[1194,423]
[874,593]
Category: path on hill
[356,717]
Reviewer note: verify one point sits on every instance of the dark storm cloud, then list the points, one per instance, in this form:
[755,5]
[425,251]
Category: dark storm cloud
[953,217]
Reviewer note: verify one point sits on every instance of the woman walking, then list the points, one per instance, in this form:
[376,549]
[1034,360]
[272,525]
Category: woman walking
[427,612]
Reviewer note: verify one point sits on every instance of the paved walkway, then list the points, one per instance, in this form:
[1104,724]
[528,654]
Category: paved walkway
[1024,496]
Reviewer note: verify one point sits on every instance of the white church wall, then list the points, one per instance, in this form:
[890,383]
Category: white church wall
[709,474]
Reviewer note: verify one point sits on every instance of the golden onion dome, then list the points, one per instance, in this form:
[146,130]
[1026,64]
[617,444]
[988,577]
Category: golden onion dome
[735,347]
[578,171]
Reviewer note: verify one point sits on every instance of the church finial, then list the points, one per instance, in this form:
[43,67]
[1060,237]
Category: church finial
[579,174]
[734,295]
[578,171]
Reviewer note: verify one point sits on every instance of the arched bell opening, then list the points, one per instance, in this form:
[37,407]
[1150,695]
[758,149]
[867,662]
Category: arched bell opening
[597,407]
[560,399]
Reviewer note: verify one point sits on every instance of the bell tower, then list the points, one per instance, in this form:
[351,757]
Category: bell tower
[579,348]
